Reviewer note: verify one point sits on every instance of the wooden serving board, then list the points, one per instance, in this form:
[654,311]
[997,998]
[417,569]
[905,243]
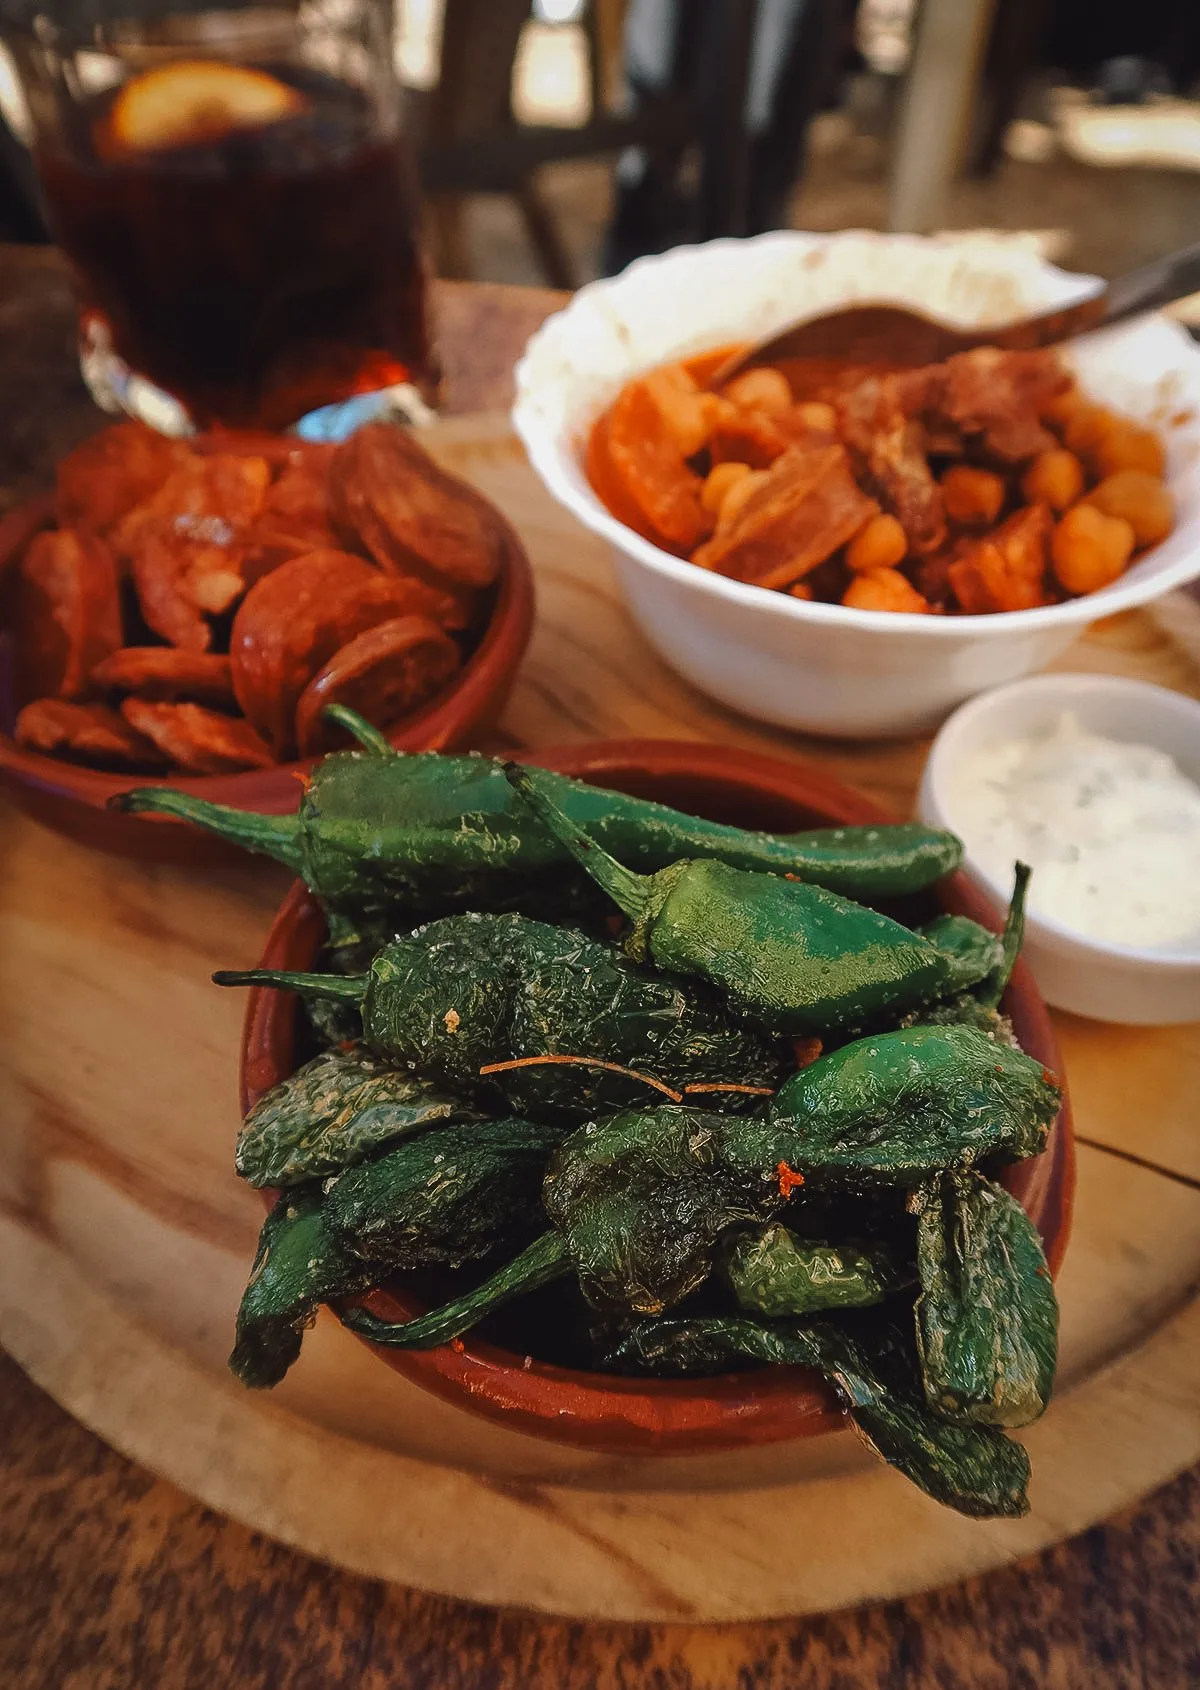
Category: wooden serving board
[125,1237]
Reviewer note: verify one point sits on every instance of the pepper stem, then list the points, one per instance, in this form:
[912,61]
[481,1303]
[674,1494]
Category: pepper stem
[1011,939]
[629,891]
[273,836]
[366,733]
[545,1260]
[349,987]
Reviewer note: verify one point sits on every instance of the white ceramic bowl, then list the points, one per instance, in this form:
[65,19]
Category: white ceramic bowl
[1107,982]
[816,666]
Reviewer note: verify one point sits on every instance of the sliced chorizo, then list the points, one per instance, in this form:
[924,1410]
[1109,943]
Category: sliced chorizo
[203,742]
[106,476]
[67,614]
[388,496]
[89,731]
[292,621]
[385,674]
[164,672]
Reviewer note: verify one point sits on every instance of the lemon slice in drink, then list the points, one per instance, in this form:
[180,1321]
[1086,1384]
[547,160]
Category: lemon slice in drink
[191,101]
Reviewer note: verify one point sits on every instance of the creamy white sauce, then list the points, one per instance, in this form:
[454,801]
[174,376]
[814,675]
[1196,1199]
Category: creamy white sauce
[1111,831]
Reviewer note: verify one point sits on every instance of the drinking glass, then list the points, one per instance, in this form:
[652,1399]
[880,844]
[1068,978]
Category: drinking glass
[234,189]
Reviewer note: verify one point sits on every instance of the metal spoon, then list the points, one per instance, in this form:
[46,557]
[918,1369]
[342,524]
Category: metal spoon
[891,334]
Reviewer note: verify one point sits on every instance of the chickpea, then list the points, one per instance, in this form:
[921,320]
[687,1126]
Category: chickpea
[884,589]
[974,497]
[1054,479]
[717,483]
[688,414]
[761,390]
[737,495]
[816,415]
[1141,499]
[801,590]
[1086,424]
[880,543]
[1089,549]
[1129,446]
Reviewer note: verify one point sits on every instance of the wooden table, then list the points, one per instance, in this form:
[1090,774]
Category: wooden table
[110,1579]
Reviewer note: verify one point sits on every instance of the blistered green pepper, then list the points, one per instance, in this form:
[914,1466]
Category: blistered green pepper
[974,1469]
[334,1111]
[298,1266]
[801,959]
[773,1272]
[987,1316]
[447,1197]
[377,831]
[639,1203]
[895,1108]
[463,994]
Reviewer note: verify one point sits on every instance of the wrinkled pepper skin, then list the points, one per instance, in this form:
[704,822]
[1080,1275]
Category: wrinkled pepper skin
[800,959]
[774,1273]
[472,990]
[427,832]
[449,1197]
[975,1470]
[336,1110]
[987,1316]
[297,1266]
[643,1199]
[895,1108]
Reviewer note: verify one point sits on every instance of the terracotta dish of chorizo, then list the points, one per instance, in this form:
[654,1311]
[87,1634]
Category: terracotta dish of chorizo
[196,605]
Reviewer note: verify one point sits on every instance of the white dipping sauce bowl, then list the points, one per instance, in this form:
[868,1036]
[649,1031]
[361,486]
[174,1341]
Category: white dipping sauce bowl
[1089,977]
[822,667]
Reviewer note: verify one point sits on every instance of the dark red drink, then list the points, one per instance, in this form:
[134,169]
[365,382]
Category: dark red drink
[254,267]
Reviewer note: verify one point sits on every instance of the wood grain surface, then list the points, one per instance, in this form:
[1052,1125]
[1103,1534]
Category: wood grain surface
[110,1578]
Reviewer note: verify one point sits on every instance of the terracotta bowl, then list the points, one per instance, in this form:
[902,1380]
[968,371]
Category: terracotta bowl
[630,1416]
[71,798]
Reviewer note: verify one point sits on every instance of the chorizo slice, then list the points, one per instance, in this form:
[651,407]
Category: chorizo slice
[385,674]
[292,621]
[106,476]
[163,672]
[89,731]
[201,741]
[67,613]
[388,496]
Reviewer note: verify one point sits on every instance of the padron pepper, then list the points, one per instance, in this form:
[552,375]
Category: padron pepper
[379,830]
[974,1469]
[896,1108]
[334,1111]
[574,1026]
[801,959]
[298,1266]
[773,1272]
[446,1197]
[987,1316]
[639,1203]
[449,1196]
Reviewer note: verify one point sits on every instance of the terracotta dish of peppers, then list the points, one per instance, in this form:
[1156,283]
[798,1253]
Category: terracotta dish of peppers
[651,1096]
[196,606]
[987,483]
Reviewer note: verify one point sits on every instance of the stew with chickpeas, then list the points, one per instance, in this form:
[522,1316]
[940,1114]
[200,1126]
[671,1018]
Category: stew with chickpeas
[987,483]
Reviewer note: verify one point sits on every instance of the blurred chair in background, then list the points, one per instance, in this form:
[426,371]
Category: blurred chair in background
[755,72]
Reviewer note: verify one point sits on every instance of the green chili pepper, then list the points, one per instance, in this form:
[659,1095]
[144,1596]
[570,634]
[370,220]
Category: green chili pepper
[987,1316]
[298,1266]
[334,1111]
[471,991]
[639,1203]
[801,959]
[978,951]
[772,1272]
[974,1469]
[431,833]
[896,1108]
[995,986]
[449,1196]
